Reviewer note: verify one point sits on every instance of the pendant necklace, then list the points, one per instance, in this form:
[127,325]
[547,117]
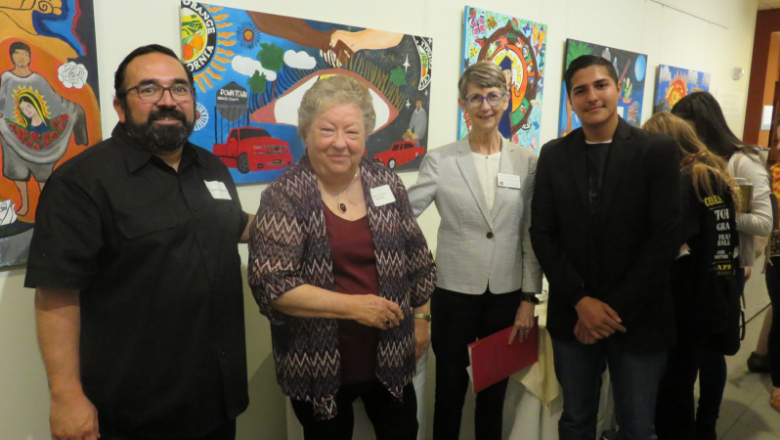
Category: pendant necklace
[342,206]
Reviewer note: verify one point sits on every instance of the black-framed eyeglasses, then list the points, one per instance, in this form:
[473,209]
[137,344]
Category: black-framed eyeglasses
[493,99]
[154,92]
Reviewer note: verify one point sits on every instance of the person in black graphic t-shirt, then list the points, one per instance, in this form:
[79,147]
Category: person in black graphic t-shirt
[703,282]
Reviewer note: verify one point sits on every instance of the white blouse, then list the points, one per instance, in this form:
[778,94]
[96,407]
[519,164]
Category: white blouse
[487,171]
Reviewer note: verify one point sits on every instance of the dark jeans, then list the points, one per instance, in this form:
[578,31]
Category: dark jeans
[461,319]
[634,378]
[773,286]
[391,419]
[224,432]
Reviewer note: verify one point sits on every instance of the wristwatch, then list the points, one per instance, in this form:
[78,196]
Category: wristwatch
[425,316]
[530,298]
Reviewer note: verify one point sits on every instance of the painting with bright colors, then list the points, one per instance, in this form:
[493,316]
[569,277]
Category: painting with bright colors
[519,47]
[631,69]
[48,105]
[251,70]
[674,83]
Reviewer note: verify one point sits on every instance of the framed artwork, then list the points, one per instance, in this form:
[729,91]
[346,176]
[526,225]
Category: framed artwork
[631,69]
[251,70]
[674,83]
[519,47]
[48,105]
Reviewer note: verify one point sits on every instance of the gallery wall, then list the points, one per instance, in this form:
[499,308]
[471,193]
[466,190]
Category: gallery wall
[767,24]
[665,35]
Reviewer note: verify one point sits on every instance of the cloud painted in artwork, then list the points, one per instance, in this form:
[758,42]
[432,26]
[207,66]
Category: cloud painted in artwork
[247,67]
[299,60]
[665,74]
[693,77]
[705,81]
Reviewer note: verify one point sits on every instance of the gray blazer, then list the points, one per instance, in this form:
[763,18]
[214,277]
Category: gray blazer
[477,247]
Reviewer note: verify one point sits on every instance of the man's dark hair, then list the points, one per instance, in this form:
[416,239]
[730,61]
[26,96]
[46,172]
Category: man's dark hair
[703,111]
[584,62]
[121,71]
[18,45]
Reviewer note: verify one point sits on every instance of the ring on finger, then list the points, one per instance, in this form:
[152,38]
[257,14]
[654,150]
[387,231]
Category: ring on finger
[387,322]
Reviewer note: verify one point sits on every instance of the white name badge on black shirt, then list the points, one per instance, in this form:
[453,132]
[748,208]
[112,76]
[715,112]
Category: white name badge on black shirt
[508,180]
[382,195]
[218,190]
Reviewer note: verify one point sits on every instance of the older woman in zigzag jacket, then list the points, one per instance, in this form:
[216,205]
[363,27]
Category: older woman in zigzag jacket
[340,267]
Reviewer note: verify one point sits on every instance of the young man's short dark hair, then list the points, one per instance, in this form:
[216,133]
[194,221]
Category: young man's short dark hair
[121,71]
[18,45]
[586,61]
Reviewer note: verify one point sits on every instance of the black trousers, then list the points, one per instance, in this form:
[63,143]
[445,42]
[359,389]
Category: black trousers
[459,319]
[712,382]
[773,286]
[226,431]
[675,417]
[391,420]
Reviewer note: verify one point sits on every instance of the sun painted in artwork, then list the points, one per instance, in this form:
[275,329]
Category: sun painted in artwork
[674,83]
[204,44]
[677,90]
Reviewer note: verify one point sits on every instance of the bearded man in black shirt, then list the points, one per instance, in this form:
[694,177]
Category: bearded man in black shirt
[139,299]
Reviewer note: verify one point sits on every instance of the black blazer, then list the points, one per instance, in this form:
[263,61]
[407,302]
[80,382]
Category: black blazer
[620,255]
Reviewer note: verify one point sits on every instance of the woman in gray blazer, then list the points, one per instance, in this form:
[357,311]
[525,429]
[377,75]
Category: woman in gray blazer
[488,274]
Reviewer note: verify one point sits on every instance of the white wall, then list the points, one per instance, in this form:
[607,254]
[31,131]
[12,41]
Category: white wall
[666,36]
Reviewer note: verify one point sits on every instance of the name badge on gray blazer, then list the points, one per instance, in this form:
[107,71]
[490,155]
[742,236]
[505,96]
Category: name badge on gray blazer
[508,180]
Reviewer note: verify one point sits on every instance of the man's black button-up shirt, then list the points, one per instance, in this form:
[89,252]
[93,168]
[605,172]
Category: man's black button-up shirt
[154,255]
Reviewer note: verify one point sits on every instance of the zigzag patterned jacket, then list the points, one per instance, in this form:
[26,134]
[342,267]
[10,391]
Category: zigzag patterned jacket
[289,247]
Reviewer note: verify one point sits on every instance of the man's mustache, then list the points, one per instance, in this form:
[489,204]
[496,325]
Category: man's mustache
[167,114]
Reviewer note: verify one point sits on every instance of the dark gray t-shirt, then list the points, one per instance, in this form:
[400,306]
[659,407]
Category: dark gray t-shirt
[596,154]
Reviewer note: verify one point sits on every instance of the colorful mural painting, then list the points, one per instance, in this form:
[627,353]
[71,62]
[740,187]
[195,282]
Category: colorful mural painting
[252,69]
[519,47]
[49,108]
[676,82]
[631,69]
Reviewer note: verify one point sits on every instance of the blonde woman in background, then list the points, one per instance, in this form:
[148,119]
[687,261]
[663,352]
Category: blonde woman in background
[703,284]
[702,111]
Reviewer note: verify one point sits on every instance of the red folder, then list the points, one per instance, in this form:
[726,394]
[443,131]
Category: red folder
[493,359]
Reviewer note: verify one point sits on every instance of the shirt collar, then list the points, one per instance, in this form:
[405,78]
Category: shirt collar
[136,156]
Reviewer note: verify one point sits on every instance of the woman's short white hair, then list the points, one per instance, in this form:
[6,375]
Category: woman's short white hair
[484,75]
[336,89]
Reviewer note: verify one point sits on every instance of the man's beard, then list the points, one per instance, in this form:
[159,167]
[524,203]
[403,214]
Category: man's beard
[157,137]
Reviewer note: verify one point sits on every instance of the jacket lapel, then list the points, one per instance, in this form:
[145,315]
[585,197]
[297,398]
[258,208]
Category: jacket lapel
[465,163]
[578,164]
[618,154]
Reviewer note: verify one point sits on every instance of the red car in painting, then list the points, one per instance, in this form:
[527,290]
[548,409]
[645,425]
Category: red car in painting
[399,154]
[253,149]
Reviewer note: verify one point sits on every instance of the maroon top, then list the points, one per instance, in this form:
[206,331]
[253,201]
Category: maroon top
[354,273]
